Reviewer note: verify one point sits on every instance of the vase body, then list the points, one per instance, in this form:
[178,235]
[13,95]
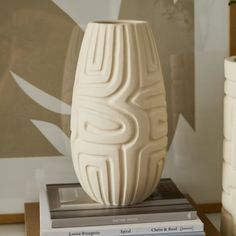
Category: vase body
[228,223]
[119,115]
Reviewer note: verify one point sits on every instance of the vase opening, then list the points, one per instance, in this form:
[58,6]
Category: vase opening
[120,22]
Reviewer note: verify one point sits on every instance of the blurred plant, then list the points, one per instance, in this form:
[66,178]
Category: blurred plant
[232,2]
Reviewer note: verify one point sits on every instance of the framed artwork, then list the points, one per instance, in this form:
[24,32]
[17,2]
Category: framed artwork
[39,48]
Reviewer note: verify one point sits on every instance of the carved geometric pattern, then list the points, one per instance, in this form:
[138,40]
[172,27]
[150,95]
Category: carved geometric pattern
[119,118]
[229,165]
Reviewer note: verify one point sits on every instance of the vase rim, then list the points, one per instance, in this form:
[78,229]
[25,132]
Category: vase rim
[119,22]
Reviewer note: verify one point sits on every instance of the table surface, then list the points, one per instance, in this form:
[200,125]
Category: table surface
[32,220]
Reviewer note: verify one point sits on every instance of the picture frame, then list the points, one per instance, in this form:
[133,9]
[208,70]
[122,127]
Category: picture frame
[20,176]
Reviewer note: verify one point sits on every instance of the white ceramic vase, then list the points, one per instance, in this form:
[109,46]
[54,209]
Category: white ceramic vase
[228,226]
[119,115]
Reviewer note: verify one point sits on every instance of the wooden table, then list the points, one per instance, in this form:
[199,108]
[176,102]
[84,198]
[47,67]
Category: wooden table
[32,220]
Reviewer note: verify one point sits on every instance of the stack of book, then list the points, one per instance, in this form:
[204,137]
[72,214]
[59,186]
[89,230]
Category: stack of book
[66,210]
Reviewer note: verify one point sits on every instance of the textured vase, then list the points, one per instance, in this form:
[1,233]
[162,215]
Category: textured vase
[228,226]
[119,118]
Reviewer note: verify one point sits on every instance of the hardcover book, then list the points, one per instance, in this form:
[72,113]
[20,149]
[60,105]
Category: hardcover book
[184,228]
[72,197]
[71,207]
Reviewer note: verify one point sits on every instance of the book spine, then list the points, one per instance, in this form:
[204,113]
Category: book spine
[125,219]
[155,229]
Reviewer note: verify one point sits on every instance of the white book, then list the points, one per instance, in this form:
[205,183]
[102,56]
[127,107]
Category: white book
[113,230]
